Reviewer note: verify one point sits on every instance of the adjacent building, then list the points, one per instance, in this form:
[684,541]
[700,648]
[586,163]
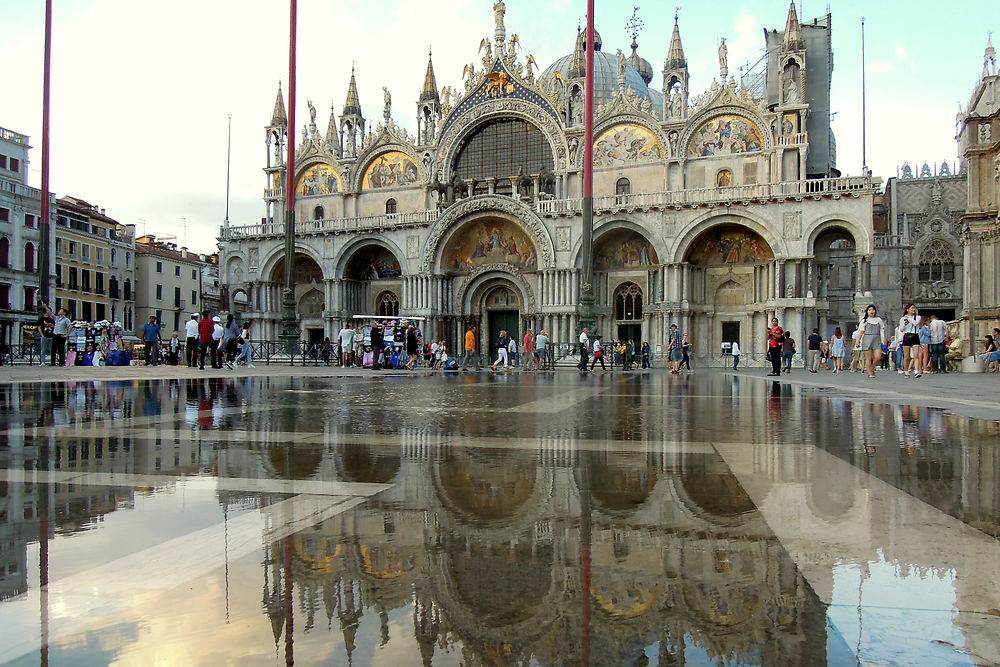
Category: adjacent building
[715,210]
[94,257]
[168,283]
[979,146]
[20,242]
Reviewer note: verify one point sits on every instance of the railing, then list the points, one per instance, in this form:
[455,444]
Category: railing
[20,190]
[13,137]
[334,224]
[792,139]
[888,240]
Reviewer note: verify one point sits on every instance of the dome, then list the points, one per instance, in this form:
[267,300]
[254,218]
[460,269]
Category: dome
[606,78]
[641,65]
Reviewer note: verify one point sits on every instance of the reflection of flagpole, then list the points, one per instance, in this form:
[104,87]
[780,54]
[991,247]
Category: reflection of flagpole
[585,540]
[289,611]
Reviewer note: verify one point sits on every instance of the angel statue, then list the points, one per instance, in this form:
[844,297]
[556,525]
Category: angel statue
[312,112]
[387,100]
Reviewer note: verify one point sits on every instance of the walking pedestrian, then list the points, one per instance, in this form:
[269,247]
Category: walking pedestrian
[174,348]
[346,338]
[151,340]
[908,325]
[735,351]
[837,350]
[644,351]
[44,337]
[541,350]
[924,354]
[598,354]
[246,350]
[218,331]
[686,351]
[775,338]
[227,345]
[191,340]
[412,346]
[471,351]
[675,344]
[873,334]
[787,352]
[857,361]
[377,338]
[584,348]
[813,344]
[205,329]
[502,342]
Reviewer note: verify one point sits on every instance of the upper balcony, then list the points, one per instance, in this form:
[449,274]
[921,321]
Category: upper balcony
[851,186]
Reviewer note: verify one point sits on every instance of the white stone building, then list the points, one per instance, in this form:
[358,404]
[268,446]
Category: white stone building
[715,211]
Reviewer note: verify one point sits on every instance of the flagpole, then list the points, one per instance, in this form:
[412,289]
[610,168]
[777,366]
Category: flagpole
[290,327]
[587,319]
[229,154]
[864,105]
[44,265]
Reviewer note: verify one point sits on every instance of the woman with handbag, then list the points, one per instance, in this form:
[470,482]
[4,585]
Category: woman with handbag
[908,326]
[775,339]
[502,342]
[246,352]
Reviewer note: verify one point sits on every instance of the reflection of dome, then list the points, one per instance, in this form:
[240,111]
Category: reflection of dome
[317,553]
[621,488]
[719,494]
[606,77]
[290,462]
[500,585]
[358,464]
[487,492]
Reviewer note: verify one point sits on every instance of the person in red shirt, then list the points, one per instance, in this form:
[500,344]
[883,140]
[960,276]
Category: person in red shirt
[205,328]
[775,337]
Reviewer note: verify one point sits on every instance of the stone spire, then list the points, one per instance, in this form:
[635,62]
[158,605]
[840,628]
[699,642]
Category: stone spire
[332,134]
[353,105]
[279,118]
[793,30]
[429,92]
[578,68]
[989,58]
[675,56]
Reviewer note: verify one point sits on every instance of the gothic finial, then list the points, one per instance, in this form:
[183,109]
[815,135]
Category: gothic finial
[278,117]
[429,92]
[675,55]
[989,57]
[352,105]
[634,25]
[793,30]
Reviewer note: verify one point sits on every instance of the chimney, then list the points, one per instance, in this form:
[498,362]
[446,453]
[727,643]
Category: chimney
[102,212]
[184,252]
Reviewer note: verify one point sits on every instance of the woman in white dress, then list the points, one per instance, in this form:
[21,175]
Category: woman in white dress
[908,325]
[873,335]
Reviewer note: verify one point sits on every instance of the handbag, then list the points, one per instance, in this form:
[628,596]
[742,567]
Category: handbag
[598,354]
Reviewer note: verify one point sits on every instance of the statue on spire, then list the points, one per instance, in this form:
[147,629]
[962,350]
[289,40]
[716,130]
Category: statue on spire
[499,9]
[723,60]
[387,100]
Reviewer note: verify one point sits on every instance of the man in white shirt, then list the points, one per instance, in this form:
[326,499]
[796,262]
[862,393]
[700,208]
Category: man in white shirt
[60,334]
[939,331]
[584,348]
[541,351]
[217,333]
[191,344]
[346,346]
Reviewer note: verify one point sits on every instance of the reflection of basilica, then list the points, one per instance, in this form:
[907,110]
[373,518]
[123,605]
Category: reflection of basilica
[715,211]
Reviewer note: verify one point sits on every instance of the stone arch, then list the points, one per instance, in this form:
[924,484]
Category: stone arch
[235,270]
[240,299]
[609,226]
[459,128]
[472,289]
[685,242]
[278,255]
[311,303]
[474,208]
[347,253]
[863,240]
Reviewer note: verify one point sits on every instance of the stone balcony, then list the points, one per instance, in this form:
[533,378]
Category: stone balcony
[761,193]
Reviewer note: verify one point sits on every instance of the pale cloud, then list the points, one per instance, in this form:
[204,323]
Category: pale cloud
[881,66]
[900,52]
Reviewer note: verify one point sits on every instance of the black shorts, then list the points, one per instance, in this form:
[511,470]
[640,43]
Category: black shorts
[911,340]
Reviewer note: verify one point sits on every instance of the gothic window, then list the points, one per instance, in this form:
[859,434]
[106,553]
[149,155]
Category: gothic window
[390,206]
[623,186]
[937,262]
[628,302]
[319,213]
[387,304]
[500,149]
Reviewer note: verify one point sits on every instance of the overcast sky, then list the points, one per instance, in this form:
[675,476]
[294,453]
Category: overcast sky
[142,89]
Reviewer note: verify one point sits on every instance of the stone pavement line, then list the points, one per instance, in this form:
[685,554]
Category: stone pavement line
[245,484]
[915,533]
[109,422]
[112,589]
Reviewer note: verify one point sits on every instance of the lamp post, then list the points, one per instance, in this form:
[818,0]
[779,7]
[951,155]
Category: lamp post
[587,297]
[289,322]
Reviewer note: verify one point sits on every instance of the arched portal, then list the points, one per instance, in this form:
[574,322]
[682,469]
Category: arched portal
[726,263]
[371,274]
[309,297]
[623,262]
[836,276]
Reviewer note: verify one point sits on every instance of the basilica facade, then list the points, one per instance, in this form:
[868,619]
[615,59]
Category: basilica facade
[715,211]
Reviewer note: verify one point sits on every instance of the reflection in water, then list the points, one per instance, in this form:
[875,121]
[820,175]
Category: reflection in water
[529,545]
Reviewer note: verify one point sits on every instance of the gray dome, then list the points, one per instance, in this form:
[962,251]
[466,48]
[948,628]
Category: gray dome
[641,65]
[606,79]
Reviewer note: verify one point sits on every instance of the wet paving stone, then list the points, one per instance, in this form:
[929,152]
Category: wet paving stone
[484,519]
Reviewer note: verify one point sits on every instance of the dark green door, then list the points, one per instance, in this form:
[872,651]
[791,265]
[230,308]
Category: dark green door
[502,320]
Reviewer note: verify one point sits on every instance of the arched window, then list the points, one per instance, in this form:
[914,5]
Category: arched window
[390,206]
[724,178]
[319,213]
[4,252]
[628,302]
[128,290]
[500,148]
[29,257]
[623,187]
[387,304]
[937,262]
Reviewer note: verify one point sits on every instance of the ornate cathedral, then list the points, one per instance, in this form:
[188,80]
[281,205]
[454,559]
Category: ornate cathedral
[715,211]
